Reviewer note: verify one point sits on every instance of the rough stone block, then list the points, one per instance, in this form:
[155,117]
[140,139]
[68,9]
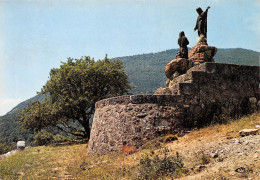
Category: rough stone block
[21,145]
[187,88]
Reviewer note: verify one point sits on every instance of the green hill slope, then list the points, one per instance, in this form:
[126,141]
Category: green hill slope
[145,71]
[10,130]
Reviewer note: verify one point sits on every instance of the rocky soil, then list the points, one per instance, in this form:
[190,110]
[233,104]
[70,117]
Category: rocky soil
[220,156]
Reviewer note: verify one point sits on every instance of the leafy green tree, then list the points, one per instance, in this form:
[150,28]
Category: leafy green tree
[42,138]
[72,91]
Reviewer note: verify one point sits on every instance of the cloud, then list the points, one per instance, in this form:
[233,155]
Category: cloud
[7,105]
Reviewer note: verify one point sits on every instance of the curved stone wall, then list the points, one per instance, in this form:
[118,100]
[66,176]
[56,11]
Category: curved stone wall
[133,120]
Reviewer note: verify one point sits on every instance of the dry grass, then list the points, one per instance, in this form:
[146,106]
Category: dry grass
[65,162]
[73,162]
[232,128]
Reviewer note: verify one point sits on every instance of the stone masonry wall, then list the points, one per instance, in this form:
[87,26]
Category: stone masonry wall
[133,120]
[218,90]
[207,92]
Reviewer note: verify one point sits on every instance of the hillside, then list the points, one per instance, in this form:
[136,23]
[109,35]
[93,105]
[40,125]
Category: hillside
[215,152]
[10,130]
[145,71]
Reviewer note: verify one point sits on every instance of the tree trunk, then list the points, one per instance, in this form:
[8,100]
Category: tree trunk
[86,127]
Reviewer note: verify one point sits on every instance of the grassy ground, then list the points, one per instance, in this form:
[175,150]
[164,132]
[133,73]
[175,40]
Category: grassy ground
[72,161]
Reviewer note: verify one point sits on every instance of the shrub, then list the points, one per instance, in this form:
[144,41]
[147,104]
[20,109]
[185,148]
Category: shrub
[201,158]
[205,159]
[153,144]
[156,167]
[59,138]
[42,138]
[5,147]
[169,138]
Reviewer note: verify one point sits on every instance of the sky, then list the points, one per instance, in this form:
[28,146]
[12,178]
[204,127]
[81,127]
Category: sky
[36,35]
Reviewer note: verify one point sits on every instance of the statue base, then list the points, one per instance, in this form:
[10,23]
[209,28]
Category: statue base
[198,54]
[202,53]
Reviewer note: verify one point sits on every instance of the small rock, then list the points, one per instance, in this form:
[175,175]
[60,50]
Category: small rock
[215,155]
[220,159]
[141,115]
[247,132]
[240,170]
[257,126]
[240,154]
[201,167]
[90,167]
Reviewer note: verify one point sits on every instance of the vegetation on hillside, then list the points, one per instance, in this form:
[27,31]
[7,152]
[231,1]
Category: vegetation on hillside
[71,94]
[10,129]
[6,147]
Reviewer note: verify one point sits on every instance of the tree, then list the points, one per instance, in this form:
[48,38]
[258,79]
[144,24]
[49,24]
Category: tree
[71,93]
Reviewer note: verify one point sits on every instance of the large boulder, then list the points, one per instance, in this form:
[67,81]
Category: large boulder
[202,53]
[179,65]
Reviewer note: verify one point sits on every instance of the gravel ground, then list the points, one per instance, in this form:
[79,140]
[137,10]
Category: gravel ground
[220,156]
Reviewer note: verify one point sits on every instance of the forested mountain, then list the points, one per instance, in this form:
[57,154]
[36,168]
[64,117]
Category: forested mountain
[146,72]
[10,129]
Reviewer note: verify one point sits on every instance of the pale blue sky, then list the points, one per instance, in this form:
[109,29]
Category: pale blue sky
[35,35]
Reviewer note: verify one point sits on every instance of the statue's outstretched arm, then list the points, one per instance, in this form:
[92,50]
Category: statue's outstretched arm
[204,14]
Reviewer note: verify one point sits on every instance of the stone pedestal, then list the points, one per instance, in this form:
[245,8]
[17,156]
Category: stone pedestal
[198,54]
[202,53]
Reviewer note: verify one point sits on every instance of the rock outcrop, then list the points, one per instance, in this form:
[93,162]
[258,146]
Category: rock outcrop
[179,65]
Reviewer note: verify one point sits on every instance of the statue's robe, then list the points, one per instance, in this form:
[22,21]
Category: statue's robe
[201,24]
[183,42]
